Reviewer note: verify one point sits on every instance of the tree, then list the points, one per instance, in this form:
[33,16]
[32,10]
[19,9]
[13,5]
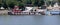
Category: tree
[36,2]
[39,2]
[42,2]
[21,6]
[0,1]
[11,5]
[58,0]
[28,2]
[0,5]
[5,5]
[19,0]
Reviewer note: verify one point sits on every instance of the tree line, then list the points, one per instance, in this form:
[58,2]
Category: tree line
[12,3]
[20,3]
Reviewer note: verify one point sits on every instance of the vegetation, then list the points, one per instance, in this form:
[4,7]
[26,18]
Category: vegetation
[20,3]
[17,2]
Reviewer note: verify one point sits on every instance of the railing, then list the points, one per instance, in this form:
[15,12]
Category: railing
[27,13]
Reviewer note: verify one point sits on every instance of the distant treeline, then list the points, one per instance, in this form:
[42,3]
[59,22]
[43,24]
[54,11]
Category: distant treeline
[22,2]
[12,3]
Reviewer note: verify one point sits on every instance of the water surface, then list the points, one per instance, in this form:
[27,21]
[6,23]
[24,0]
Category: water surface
[30,20]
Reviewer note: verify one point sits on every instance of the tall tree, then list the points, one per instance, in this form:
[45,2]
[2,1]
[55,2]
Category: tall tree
[39,2]
[28,2]
[0,1]
[58,0]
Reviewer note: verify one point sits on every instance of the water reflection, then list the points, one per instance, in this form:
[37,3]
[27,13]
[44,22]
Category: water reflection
[30,20]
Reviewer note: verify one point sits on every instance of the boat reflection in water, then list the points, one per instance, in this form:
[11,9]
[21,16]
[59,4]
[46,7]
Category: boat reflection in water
[30,20]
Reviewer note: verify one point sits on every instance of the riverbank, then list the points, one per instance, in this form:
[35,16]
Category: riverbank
[3,12]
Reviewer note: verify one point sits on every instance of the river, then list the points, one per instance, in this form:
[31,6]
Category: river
[30,20]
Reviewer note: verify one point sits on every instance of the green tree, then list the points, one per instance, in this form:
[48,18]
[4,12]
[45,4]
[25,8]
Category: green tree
[0,1]
[58,0]
[39,2]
